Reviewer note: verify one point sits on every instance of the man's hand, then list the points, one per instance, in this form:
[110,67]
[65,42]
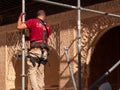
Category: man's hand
[21,25]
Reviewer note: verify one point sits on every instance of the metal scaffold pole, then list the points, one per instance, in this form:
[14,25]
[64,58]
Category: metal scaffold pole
[78,7]
[58,4]
[23,47]
[70,68]
[79,46]
[104,75]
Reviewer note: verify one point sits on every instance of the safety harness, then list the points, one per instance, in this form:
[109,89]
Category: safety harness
[42,46]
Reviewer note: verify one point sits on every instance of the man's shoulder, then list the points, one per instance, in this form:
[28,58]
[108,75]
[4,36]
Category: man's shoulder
[30,22]
[33,19]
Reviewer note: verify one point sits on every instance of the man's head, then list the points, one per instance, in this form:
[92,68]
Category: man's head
[41,14]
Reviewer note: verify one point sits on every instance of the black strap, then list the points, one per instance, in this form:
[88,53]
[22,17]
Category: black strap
[46,30]
[37,59]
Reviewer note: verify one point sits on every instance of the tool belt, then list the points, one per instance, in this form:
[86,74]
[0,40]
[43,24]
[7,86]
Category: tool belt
[37,59]
[35,44]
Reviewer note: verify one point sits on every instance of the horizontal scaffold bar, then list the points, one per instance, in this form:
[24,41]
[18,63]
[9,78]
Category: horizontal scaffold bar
[75,7]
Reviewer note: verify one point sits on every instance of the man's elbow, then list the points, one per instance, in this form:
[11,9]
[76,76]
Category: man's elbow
[19,28]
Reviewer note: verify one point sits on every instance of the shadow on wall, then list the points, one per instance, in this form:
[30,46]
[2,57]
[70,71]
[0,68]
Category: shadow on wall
[52,70]
[18,71]
[69,84]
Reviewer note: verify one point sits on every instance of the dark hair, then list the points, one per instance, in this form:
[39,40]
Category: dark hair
[41,12]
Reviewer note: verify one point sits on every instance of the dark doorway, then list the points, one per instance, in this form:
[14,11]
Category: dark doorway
[106,54]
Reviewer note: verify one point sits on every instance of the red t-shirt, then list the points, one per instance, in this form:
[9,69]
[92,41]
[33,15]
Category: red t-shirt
[36,29]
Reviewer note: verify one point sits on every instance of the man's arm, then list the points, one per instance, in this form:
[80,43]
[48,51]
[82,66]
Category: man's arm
[21,25]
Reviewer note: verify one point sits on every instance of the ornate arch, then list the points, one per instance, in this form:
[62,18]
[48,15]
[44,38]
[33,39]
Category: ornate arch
[92,30]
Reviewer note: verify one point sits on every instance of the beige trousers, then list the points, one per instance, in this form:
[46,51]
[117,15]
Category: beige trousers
[36,74]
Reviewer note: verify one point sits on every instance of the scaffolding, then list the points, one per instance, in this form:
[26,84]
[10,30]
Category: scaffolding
[79,9]
[23,47]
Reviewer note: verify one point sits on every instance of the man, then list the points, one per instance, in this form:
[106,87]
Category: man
[38,54]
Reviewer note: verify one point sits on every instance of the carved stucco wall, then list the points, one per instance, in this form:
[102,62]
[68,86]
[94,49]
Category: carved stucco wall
[93,28]
[92,31]
[12,42]
[2,61]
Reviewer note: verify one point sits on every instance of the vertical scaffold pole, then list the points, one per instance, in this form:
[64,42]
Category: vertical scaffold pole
[70,68]
[79,46]
[23,47]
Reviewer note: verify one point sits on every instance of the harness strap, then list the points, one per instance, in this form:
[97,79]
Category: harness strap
[36,59]
[41,45]
[45,33]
